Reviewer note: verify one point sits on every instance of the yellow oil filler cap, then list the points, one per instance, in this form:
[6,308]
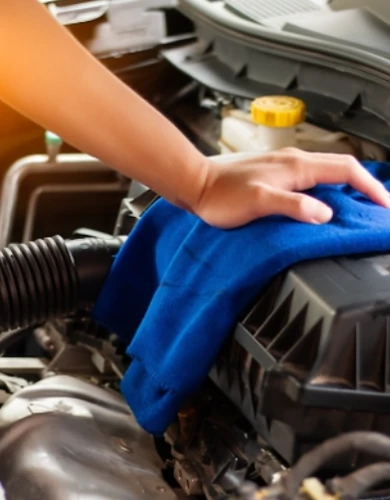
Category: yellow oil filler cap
[278,111]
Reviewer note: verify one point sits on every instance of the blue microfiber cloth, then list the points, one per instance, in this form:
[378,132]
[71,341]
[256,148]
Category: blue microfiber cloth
[178,286]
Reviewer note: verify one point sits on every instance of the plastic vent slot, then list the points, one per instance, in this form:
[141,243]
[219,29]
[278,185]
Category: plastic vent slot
[314,347]
[261,10]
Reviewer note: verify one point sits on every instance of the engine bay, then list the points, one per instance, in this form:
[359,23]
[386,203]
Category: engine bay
[297,403]
[296,373]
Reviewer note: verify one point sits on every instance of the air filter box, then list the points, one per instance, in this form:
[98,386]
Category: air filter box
[310,359]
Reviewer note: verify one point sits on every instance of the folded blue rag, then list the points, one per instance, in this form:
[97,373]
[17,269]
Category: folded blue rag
[178,286]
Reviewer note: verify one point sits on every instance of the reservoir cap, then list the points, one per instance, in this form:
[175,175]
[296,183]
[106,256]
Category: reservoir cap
[278,111]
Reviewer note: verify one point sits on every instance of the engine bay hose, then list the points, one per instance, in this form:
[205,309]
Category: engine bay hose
[360,481]
[52,277]
[372,443]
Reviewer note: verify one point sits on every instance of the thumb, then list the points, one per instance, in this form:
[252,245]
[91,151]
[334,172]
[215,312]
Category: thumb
[297,206]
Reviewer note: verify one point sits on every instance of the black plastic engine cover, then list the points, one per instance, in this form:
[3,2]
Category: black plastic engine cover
[311,358]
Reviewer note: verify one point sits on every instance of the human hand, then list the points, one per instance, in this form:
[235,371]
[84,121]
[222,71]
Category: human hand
[240,191]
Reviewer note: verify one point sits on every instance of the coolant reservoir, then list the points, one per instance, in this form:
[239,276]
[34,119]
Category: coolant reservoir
[276,122]
[271,126]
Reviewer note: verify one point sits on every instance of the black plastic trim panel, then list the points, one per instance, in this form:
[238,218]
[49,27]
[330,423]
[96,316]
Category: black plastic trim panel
[339,95]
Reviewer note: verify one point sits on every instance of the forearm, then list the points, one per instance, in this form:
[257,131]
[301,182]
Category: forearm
[47,76]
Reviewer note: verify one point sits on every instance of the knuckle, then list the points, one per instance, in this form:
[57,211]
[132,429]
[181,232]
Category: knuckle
[351,164]
[298,167]
[261,193]
[290,151]
[351,159]
[264,198]
[293,158]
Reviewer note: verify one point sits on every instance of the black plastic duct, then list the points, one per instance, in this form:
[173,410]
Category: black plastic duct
[51,277]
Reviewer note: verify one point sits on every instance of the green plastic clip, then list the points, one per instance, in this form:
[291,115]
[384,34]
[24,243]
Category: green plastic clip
[52,139]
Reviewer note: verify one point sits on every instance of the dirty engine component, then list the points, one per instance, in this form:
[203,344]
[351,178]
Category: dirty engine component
[296,372]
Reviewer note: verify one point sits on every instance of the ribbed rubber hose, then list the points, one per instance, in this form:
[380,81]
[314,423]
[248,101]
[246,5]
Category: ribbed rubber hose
[51,277]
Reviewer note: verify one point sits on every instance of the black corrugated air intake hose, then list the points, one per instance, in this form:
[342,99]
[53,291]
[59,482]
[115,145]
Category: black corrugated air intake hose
[51,277]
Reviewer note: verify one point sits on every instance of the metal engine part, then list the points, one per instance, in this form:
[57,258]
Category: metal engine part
[66,439]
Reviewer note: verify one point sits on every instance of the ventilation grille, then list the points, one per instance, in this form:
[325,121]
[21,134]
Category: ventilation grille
[343,364]
[302,366]
[261,10]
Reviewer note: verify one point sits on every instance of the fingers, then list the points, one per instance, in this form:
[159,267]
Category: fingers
[271,184]
[308,169]
[297,206]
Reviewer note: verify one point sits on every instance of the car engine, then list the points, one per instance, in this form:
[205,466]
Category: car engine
[297,404]
[297,372]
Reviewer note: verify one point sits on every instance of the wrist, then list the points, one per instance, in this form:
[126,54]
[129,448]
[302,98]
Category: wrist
[195,186]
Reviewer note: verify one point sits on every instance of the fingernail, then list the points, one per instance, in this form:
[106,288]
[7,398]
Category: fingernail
[314,211]
[323,214]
